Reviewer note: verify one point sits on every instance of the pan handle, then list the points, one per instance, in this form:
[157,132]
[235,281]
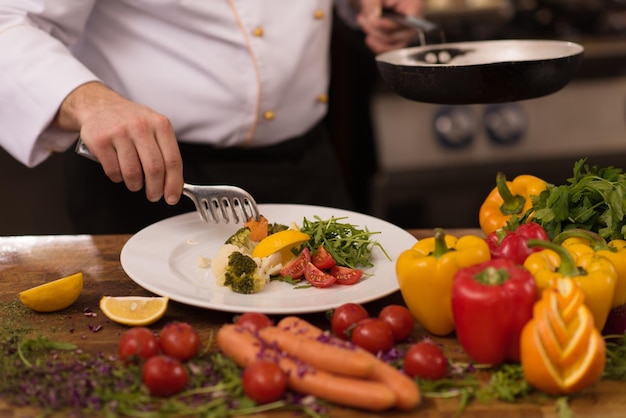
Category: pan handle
[423,26]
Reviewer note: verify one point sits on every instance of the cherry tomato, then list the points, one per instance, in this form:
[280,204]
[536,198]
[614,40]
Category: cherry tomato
[322,258]
[136,343]
[345,317]
[164,375]
[264,382]
[254,321]
[179,340]
[317,277]
[295,268]
[399,319]
[346,275]
[373,334]
[425,360]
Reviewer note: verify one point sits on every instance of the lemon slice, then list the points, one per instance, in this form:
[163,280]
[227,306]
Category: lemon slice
[279,241]
[134,310]
[55,295]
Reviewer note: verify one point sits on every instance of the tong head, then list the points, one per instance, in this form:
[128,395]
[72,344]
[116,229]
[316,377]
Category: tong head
[222,203]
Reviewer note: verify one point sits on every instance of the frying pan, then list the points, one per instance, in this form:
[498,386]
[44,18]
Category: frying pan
[477,72]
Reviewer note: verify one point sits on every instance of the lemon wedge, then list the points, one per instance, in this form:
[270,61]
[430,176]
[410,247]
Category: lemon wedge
[55,295]
[282,241]
[134,310]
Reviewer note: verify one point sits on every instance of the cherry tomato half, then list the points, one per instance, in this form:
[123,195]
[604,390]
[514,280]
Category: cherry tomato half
[179,340]
[317,277]
[399,319]
[425,360]
[164,375]
[345,317]
[322,258]
[295,268]
[136,343]
[346,275]
[373,334]
[253,321]
[264,381]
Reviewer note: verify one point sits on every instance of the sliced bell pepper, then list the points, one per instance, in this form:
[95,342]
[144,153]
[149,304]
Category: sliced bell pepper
[491,304]
[508,198]
[594,273]
[582,240]
[425,273]
[511,241]
[562,352]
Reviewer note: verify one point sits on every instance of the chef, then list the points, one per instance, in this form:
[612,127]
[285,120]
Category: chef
[166,91]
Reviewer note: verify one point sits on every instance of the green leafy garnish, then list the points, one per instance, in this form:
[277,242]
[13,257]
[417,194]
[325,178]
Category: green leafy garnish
[593,199]
[615,367]
[349,245]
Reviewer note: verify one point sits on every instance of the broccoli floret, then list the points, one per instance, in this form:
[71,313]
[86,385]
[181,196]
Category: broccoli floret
[241,239]
[242,274]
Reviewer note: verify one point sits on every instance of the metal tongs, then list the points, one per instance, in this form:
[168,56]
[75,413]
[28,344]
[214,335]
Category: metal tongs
[214,203]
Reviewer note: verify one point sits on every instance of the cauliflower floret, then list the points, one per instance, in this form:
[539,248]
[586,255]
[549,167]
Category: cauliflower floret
[270,265]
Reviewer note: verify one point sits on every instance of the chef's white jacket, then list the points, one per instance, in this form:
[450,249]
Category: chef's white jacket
[226,72]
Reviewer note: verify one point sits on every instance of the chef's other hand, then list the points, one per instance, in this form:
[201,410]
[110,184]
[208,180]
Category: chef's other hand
[133,143]
[383,34]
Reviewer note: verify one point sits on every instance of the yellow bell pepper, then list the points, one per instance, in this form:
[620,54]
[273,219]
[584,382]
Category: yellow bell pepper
[508,198]
[580,241]
[594,273]
[425,273]
[562,352]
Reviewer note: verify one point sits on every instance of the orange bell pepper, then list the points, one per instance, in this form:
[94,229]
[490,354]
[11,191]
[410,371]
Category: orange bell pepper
[508,198]
[562,352]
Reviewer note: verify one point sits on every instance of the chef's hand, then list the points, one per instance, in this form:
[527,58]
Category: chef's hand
[133,143]
[383,34]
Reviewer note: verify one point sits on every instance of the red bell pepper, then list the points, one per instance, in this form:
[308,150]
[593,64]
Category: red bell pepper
[510,241]
[491,303]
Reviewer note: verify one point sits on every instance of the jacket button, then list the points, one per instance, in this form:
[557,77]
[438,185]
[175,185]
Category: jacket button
[319,14]
[258,31]
[322,98]
[269,115]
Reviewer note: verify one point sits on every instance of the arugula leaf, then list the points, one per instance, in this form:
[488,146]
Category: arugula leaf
[349,245]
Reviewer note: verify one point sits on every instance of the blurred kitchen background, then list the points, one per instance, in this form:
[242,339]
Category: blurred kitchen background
[423,165]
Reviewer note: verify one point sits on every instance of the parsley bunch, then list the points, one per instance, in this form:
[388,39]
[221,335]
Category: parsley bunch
[593,199]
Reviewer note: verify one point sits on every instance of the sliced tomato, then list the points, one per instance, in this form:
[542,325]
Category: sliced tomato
[317,277]
[295,268]
[346,275]
[322,258]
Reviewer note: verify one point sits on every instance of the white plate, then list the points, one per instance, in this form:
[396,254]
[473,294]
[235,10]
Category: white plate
[162,258]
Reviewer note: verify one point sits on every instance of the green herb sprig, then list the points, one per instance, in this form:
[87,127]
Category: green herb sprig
[593,199]
[349,245]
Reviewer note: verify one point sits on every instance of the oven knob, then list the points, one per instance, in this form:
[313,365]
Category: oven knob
[505,124]
[454,126]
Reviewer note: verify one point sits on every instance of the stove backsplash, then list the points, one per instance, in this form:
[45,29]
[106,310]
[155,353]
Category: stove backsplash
[465,20]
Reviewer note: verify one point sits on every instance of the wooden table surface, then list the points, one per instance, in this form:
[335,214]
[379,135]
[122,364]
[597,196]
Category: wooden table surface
[26,261]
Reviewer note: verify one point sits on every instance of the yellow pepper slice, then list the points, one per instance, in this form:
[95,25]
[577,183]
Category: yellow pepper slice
[425,273]
[508,198]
